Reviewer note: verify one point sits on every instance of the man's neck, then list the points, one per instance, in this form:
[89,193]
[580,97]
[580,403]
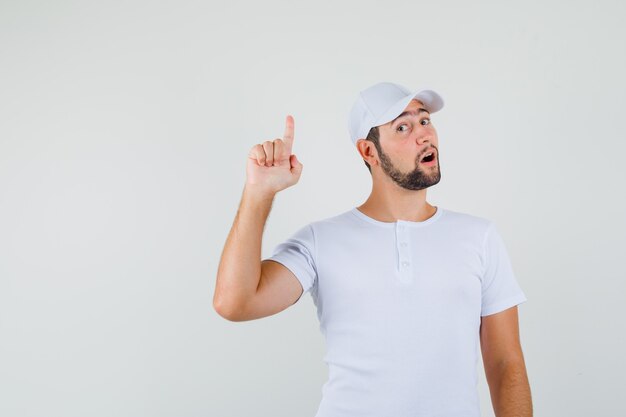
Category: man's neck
[388,204]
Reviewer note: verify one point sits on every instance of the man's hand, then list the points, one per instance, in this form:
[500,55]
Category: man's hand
[271,167]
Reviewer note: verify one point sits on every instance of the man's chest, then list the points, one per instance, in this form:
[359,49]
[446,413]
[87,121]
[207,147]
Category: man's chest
[411,275]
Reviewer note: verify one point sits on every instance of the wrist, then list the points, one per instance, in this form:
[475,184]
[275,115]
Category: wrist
[258,192]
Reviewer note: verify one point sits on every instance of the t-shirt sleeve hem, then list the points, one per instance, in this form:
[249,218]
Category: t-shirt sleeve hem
[294,268]
[504,304]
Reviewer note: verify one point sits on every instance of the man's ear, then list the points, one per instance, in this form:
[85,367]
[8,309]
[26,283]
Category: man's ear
[368,151]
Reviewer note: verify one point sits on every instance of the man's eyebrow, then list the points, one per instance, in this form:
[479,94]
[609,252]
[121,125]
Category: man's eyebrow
[411,112]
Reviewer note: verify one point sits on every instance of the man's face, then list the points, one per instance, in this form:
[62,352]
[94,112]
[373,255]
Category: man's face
[407,140]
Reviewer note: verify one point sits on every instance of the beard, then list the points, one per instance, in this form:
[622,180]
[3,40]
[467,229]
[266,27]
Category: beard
[416,179]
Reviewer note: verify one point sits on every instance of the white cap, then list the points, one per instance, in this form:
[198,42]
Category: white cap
[383,102]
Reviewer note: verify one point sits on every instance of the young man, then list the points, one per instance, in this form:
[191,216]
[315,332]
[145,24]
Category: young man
[404,290]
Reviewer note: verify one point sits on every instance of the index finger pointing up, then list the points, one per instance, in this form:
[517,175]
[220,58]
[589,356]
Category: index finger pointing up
[288,136]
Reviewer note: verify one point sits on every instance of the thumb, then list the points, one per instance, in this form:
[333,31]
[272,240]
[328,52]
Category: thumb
[296,166]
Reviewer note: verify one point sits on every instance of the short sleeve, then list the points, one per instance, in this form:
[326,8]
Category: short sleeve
[500,289]
[297,253]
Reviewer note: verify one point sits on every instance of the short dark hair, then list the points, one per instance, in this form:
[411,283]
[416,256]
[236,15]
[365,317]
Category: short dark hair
[374,137]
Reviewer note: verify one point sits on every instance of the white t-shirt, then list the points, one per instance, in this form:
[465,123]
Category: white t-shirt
[400,306]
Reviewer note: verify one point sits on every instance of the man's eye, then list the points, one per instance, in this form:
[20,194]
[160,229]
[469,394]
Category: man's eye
[399,128]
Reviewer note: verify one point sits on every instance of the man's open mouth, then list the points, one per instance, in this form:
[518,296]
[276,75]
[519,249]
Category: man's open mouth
[429,157]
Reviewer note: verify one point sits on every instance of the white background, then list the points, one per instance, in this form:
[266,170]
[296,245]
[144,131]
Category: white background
[125,127]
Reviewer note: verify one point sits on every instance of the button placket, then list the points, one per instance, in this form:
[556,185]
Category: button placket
[404,260]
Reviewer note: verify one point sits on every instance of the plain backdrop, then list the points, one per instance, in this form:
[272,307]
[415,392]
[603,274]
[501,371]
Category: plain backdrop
[124,132]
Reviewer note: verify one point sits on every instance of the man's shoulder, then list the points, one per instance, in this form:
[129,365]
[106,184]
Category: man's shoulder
[341,219]
[466,221]
[465,217]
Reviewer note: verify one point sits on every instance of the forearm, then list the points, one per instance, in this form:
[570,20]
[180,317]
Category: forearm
[510,391]
[239,269]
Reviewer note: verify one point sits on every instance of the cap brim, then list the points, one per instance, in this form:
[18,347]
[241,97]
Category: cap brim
[430,98]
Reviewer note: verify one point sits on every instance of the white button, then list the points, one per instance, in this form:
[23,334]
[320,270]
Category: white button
[400,227]
[405,264]
[403,244]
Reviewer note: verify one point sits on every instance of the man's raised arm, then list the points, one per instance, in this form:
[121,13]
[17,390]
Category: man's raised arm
[270,168]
